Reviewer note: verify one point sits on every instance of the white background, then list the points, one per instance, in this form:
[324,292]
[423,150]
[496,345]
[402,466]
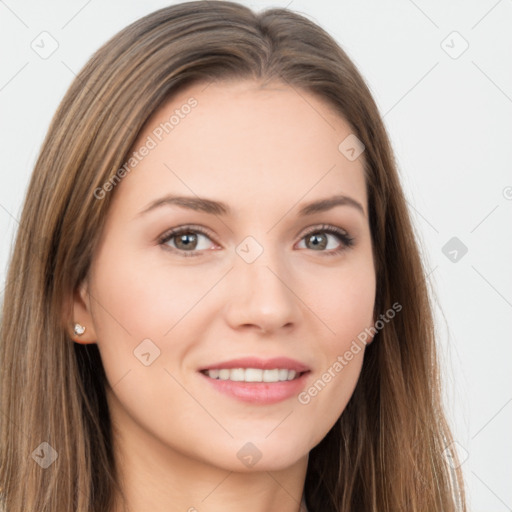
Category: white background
[450,121]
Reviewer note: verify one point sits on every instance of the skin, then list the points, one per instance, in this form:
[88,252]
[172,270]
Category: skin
[265,151]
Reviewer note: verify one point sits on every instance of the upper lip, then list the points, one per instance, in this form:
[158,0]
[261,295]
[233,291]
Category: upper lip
[264,364]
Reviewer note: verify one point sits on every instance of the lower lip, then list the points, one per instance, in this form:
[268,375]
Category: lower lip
[259,392]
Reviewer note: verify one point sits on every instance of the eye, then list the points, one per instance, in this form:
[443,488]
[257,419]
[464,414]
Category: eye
[186,240]
[317,239]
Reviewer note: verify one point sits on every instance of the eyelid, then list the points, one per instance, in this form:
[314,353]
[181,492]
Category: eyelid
[323,227]
[184,228]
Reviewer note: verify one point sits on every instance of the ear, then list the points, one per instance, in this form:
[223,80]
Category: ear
[81,308]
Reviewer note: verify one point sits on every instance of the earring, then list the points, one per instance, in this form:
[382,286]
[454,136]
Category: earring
[78,329]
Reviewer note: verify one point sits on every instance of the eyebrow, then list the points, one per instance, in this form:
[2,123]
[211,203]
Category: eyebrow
[210,206]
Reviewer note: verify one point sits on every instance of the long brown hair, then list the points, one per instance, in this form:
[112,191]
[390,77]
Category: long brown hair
[385,452]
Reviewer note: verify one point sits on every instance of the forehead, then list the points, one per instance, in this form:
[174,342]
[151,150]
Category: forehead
[241,142]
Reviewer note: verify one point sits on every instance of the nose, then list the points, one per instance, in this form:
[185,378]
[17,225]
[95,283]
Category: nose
[261,295]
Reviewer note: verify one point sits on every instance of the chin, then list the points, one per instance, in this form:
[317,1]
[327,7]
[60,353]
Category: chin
[263,455]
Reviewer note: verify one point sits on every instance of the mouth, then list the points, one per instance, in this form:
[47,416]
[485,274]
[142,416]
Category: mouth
[253,374]
[256,380]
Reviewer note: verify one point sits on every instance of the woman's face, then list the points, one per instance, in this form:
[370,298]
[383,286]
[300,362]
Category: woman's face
[256,273]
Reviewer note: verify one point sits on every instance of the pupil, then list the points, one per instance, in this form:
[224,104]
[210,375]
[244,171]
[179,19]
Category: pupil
[315,238]
[185,239]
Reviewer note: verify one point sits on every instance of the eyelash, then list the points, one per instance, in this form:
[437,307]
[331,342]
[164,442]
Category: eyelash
[343,236]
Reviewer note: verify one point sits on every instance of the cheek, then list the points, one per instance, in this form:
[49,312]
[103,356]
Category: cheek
[348,313]
[344,301]
[143,296]
[139,298]
[136,302]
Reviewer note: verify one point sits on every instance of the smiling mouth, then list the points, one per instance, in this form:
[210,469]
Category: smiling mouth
[253,374]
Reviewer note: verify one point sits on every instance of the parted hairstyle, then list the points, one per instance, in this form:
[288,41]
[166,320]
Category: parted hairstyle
[385,452]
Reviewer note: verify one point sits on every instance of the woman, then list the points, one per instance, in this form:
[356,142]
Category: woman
[216,299]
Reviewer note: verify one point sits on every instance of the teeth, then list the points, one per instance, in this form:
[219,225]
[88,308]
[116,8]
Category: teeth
[283,374]
[252,374]
[236,374]
[271,375]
